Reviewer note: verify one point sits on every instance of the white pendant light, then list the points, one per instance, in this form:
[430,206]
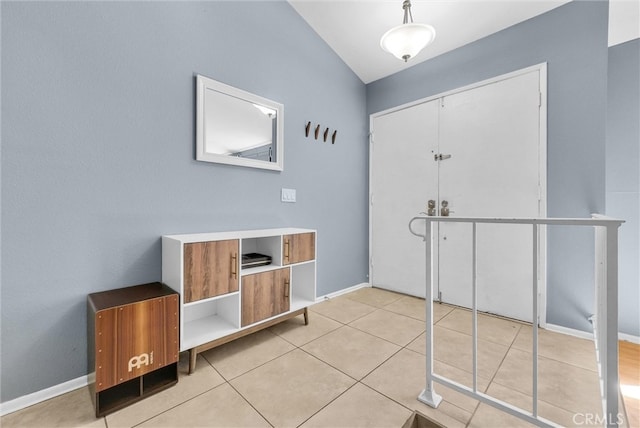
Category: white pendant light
[408,39]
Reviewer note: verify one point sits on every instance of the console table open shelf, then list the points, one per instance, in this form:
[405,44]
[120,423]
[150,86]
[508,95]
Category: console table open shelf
[222,301]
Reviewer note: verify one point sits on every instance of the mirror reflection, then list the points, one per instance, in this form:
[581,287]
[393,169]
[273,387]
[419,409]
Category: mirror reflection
[237,127]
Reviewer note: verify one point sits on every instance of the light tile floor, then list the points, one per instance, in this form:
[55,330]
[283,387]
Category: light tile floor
[359,363]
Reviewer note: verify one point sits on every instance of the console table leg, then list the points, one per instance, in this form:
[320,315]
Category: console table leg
[193,354]
[306,316]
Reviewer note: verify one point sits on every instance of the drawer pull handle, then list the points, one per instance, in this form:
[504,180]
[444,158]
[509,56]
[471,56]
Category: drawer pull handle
[234,265]
[286,249]
[286,288]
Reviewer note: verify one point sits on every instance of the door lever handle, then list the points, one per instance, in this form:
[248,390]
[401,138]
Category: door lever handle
[441,157]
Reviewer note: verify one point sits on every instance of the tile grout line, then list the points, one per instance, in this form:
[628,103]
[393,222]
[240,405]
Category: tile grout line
[405,347]
[251,404]
[253,368]
[512,346]
[172,407]
[106,422]
[357,381]
[401,348]
[322,335]
[491,381]
[296,347]
[447,401]
[228,380]
[328,404]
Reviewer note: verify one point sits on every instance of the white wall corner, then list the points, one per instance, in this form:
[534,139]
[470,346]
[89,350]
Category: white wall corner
[341,292]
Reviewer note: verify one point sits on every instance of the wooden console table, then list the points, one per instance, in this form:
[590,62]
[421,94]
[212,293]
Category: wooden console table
[222,299]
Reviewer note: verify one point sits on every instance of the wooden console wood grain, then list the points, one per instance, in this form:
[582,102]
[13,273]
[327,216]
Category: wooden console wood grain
[210,269]
[265,295]
[299,247]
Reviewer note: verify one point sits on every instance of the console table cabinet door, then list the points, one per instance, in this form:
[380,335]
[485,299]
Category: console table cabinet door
[210,269]
[297,248]
[264,295]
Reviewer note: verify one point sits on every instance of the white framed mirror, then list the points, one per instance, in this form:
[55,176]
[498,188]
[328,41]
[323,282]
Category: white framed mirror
[237,127]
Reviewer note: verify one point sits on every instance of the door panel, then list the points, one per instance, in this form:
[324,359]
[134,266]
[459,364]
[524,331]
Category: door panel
[403,178]
[492,135]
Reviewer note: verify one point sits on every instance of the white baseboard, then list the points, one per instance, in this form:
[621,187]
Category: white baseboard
[570,331]
[341,292]
[589,335]
[48,393]
[629,338]
[45,394]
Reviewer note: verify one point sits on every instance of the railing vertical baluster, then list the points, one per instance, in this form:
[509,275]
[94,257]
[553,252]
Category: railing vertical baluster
[474,298]
[428,395]
[534,318]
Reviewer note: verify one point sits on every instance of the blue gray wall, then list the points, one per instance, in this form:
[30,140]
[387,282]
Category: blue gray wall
[623,173]
[98,157]
[572,39]
[98,151]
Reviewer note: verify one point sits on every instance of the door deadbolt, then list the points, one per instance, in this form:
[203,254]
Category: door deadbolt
[431,208]
[444,210]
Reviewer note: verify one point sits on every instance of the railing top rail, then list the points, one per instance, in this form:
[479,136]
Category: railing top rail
[596,220]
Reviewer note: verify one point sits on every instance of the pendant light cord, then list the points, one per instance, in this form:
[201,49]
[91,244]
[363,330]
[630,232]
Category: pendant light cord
[406,5]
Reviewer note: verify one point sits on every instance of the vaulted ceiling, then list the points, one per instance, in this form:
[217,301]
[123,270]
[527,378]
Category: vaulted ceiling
[353,27]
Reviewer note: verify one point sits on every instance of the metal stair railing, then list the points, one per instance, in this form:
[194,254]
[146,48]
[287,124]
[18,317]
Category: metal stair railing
[604,320]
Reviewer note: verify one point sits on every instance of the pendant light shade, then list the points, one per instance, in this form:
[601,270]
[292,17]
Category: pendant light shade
[408,39]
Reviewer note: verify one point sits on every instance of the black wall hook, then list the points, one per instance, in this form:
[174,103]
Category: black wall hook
[316,132]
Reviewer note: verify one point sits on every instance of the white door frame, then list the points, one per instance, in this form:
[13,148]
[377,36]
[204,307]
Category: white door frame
[542,166]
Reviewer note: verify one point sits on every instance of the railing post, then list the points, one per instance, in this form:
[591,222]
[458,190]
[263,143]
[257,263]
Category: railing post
[534,320]
[610,326]
[428,395]
[474,303]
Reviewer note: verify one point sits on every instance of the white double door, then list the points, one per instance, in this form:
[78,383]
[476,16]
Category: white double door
[481,151]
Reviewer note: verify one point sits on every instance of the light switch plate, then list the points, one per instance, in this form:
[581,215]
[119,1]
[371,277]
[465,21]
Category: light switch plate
[288,195]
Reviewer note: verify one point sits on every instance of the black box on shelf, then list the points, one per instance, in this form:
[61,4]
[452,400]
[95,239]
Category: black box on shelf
[255,259]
